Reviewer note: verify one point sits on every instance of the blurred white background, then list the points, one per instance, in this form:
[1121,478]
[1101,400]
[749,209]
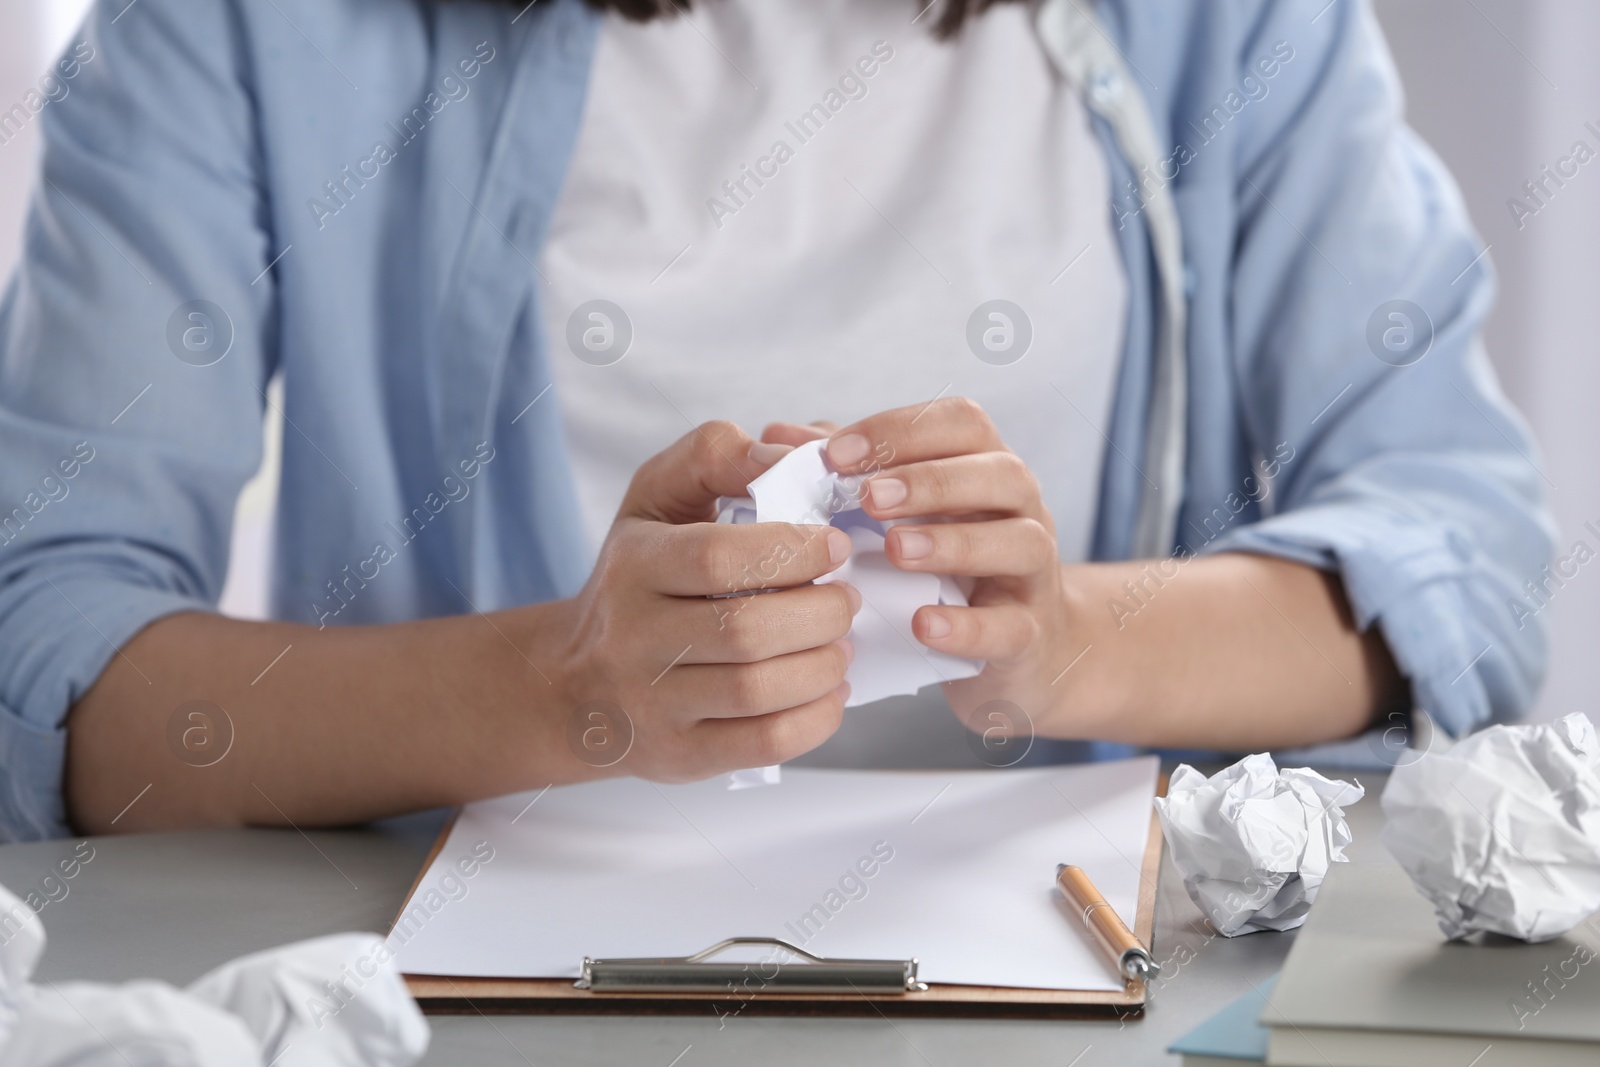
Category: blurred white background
[1499,87]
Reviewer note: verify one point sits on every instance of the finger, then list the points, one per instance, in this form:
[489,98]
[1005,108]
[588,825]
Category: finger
[767,453]
[740,690]
[1003,548]
[792,434]
[682,484]
[950,426]
[715,559]
[991,482]
[764,740]
[1000,633]
[748,629]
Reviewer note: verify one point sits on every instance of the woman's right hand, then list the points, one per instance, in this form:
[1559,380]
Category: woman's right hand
[641,673]
[667,677]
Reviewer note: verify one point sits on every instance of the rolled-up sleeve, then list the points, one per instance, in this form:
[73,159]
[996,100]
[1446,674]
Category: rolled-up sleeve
[1358,292]
[132,359]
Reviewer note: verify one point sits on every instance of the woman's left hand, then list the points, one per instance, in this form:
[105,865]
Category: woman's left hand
[946,460]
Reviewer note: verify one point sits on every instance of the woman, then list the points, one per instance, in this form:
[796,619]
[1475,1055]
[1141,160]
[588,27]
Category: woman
[1169,288]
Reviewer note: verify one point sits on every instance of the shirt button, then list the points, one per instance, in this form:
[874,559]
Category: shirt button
[1105,86]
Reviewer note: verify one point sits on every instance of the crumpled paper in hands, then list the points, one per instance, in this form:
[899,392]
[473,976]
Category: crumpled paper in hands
[1502,831]
[1254,843]
[328,1002]
[889,660]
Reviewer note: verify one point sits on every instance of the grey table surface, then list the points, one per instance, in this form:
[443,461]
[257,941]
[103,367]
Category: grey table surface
[172,906]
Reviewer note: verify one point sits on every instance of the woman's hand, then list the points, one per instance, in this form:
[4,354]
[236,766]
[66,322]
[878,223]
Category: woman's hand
[1228,651]
[946,460]
[641,673]
[706,685]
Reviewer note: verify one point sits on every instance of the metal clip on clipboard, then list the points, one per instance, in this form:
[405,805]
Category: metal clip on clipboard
[698,974]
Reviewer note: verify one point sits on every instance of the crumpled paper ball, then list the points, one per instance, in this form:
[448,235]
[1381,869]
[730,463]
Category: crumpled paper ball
[1254,843]
[328,1002]
[1502,831]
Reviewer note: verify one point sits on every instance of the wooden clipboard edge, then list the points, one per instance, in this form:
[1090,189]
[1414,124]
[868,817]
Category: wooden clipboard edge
[422,872]
[444,995]
[1144,914]
[558,996]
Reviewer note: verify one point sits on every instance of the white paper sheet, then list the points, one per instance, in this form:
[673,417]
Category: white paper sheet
[962,872]
[889,660]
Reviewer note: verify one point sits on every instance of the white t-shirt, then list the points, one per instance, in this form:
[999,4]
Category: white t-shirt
[794,209]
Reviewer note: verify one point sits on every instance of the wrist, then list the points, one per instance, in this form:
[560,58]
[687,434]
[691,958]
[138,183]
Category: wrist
[1089,696]
[524,686]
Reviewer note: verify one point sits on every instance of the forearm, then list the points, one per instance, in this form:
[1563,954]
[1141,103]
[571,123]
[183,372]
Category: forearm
[349,724]
[1232,651]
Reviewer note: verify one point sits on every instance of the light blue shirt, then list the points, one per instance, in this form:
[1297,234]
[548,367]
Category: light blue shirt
[358,191]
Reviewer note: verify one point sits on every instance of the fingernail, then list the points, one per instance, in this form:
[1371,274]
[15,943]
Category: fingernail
[848,450]
[855,597]
[848,648]
[914,545]
[838,546]
[887,492]
[766,455]
[842,691]
[936,625]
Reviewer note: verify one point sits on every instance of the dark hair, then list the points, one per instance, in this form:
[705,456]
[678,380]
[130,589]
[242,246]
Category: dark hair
[947,21]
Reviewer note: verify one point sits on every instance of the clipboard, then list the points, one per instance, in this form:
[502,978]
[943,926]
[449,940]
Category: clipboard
[699,984]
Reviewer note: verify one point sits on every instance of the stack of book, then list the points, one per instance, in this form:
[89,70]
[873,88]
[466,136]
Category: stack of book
[1371,982]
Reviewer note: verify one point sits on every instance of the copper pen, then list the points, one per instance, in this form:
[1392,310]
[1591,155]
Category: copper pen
[1133,960]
